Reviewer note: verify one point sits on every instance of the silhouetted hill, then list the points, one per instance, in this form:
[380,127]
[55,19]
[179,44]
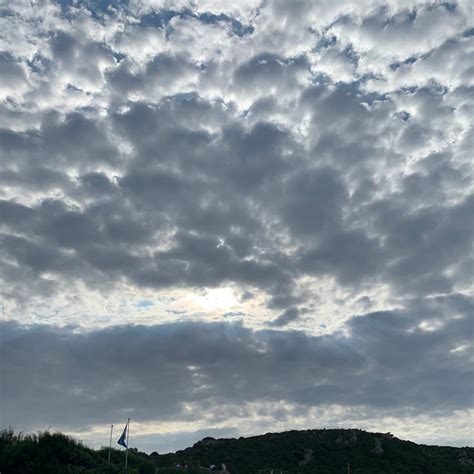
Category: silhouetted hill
[327,451]
[311,451]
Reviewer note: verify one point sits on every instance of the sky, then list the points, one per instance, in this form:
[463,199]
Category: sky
[230,218]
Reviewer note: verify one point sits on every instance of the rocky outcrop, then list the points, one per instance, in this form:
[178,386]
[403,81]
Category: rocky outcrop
[378,446]
[308,457]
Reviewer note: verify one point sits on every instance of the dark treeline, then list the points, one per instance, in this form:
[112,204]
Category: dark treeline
[56,453]
[291,452]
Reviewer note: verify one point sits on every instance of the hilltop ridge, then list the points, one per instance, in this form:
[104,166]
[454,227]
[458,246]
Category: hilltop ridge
[326,451]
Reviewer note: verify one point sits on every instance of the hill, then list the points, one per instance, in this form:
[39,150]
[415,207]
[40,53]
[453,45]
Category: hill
[327,451]
[310,451]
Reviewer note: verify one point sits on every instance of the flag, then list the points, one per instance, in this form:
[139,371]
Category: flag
[122,438]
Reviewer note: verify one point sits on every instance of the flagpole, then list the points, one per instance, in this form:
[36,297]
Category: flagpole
[126,452]
[110,442]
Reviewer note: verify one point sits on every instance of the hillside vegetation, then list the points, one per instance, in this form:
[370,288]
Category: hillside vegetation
[311,451]
[55,453]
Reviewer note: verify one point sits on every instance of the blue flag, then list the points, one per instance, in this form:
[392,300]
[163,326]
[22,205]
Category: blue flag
[122,438]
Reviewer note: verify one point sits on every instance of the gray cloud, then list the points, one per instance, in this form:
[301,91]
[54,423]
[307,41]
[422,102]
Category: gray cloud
[289,315]
[246,186]
[391,359]
[12,73]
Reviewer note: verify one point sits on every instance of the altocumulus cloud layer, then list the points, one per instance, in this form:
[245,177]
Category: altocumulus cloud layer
[231,217]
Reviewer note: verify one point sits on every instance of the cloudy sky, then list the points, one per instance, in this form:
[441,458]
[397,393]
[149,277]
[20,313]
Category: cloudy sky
[227,218]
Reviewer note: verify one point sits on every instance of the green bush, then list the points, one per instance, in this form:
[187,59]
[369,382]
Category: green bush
[55,453]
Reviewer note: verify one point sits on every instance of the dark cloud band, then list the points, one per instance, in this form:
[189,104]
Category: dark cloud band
[415,359]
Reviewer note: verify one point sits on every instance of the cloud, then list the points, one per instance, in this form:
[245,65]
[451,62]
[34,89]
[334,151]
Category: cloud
[416,359]
[13,78]
[289,315]
[164,171]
